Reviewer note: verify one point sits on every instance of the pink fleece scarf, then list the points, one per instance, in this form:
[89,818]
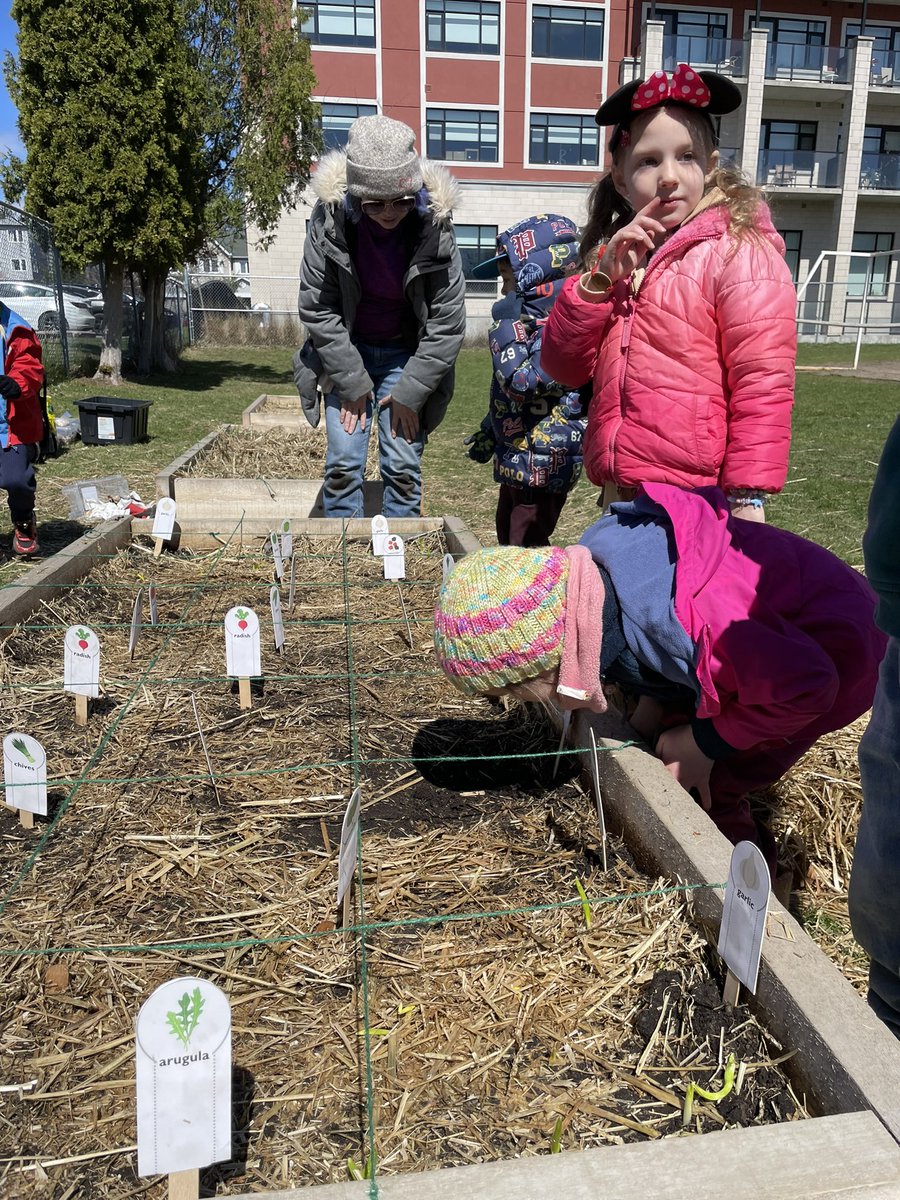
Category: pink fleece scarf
[579,670]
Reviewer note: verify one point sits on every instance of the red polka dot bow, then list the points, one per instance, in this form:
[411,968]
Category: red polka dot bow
[685,86]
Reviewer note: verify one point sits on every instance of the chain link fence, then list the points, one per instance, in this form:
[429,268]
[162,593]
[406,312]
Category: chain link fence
[242,310]
[31,284]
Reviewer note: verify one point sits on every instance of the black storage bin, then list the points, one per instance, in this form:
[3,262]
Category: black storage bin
[112,419]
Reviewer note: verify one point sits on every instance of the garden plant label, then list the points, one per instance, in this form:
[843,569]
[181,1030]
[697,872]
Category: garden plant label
[744,912]
[25,773]
[164,519]
[349,845]
[82,662]
[287,540]
[293,580]
[275,545]
[154,611]
[601,819]
[136,617]
[379,534]
[277,619]
[394,557]
[183,1051]
[242,653]
[447,565]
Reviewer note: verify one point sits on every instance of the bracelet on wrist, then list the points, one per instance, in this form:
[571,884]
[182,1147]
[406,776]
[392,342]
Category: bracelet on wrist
[747,499]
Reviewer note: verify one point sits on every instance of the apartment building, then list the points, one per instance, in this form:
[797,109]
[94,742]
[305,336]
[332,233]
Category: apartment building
[503,93]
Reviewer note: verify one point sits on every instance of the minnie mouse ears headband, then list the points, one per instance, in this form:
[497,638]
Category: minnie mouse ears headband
[711,93]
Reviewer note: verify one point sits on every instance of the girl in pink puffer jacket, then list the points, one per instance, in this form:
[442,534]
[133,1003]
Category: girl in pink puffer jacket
[686,323]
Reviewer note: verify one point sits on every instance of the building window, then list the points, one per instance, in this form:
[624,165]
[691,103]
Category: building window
[476,243]
[561,139]
[18,264]
[791,31]
[880,167]
[462,134]
[339,22]
[793,239]
[16,235]
[568,33]
[336,122]
[462,26]
[693,36]
[789,135]
[794,45]
[870,243]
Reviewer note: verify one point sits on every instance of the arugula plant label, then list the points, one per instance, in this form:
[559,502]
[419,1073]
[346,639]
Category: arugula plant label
[25,773]
[379,534]
[349,845]
[287,539]
[447,565]
[242,652]
[81,673]
[275,545]
[277,618]
[394,557]
[183,1053]
[164,519]
[136,619]
[744,912]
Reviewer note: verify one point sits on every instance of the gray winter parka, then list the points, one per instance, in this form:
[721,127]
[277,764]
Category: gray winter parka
[330,293]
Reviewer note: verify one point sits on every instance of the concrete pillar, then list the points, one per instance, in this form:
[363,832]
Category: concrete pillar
[855,111]
[757,43]
[652,48]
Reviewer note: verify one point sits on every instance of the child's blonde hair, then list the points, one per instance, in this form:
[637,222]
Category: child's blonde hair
[608,211]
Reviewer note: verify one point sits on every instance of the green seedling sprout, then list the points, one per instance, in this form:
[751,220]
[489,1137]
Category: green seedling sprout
[556,1137]
[585,903]
[695,1089]
[355,1173]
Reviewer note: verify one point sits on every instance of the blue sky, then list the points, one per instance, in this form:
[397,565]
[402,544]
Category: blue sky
[9,134]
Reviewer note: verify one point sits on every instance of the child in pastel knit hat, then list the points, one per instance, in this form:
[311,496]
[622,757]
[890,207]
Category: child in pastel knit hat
[741,643]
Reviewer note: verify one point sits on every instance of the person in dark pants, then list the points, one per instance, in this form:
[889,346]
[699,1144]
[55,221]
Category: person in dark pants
[535,427]
[21,426]
[875,877]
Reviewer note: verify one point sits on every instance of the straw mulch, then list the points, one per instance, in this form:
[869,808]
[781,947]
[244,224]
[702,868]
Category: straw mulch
[240,453]
[502,1033]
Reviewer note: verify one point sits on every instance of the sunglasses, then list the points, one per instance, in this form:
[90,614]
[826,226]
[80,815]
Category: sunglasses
[401,203]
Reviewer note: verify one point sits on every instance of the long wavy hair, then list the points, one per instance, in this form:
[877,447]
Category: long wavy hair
[608,211]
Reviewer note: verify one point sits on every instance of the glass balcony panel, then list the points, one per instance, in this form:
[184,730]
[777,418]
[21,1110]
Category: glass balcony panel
[885,68]
[798,169]
[880,171]
[805,63]
[717,54]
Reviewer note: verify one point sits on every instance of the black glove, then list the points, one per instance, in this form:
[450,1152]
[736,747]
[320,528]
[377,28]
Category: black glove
[481,446]
[9,389]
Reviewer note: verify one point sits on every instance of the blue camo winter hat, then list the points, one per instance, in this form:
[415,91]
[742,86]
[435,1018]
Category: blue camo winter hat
[547,244]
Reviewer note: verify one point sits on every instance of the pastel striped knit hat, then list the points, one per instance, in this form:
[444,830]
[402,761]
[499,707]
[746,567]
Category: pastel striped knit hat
[500,617]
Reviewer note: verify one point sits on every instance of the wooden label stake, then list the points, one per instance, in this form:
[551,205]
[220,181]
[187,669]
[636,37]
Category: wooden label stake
[26,818]
[731,993]
[82,709]
[244,693]
[157,551]
[184,1185]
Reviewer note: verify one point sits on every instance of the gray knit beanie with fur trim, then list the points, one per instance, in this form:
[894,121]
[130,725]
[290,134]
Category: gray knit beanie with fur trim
[381,159]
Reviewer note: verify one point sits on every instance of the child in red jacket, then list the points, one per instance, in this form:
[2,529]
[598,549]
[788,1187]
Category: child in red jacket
[21,426]
[686,323]
[741,643]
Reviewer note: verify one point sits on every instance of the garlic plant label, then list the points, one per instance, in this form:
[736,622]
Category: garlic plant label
[242,655]
[82,663]
[277,619]
[154,611]
[164,519]
[744,912]
[287,540]
[136,618]
[25,773]
[447,566]
[394,557]
[183,1052]
[275,544]
[349,845]
[379,534]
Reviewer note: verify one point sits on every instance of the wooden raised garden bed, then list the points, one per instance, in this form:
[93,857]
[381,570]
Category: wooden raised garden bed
[275,412]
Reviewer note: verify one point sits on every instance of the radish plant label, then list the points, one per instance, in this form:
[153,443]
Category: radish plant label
[164,519]
[287,540]
[136,618]
[183,1053]
[25,773]
[447,566]
[744,912]
[379,534]
[242,654]
[275,543]
[154,611]
[277,619]
[82,663]
[394,557]
[349,845]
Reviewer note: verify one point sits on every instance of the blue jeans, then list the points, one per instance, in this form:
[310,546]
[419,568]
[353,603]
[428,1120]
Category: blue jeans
[345,456]
[874,899]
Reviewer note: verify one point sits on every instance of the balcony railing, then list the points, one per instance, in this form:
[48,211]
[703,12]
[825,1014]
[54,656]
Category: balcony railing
[799,169]
[807,64]
[885,68]
[719,54]
[880,171]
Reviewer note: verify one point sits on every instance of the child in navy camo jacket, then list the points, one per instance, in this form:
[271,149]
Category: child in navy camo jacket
[535,427]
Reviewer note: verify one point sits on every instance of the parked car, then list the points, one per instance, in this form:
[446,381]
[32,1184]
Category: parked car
[92,297]
[38,305]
